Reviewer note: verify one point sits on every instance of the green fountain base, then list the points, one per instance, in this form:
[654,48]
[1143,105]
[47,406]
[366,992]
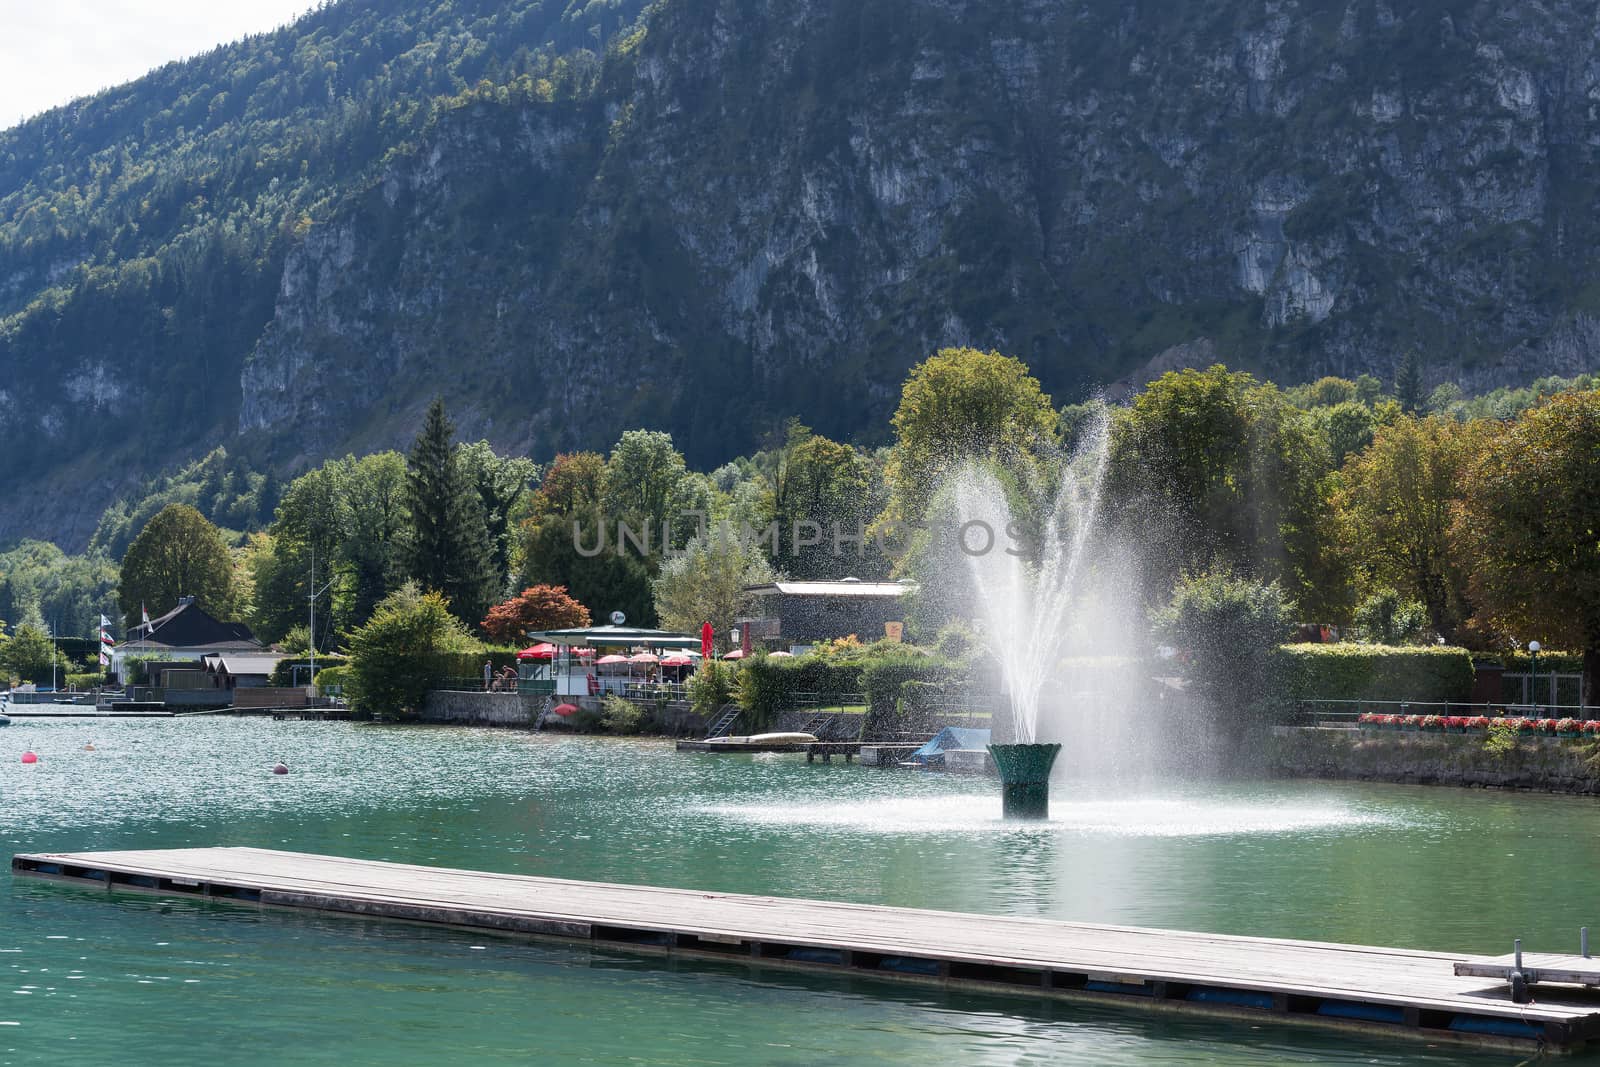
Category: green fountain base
[1025,779]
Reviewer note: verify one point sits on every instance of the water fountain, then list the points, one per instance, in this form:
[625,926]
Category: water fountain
[1025,605]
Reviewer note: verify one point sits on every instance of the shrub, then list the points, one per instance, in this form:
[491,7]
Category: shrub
[619,716]
[1230,627]
[1373,672]
[337,677]
[711,687]
[394,656]
[84,681]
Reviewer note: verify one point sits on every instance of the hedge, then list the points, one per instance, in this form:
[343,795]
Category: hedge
[1373,672]
[470,664]
[899,690]
[1559,662]
[768,685]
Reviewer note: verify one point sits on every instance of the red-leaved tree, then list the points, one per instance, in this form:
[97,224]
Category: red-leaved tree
[539,607]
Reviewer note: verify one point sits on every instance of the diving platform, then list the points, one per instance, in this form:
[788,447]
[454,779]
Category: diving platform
[1403,993]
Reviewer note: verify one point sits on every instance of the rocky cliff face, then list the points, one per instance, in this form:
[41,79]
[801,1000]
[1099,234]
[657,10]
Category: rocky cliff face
[769,209]
[776,208]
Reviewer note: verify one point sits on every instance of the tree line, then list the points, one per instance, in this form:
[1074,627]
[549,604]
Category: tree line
[1399,516]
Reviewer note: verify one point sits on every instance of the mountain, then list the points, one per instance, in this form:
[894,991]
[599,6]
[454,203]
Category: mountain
[707,215]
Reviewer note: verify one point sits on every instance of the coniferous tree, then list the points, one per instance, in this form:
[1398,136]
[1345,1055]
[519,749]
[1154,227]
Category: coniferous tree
[450,547]
[1408,382]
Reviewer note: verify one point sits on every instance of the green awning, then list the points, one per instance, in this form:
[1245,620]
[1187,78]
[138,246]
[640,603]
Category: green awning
[617,637]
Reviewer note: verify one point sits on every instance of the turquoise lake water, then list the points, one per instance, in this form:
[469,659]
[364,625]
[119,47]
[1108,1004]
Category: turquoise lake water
[87,977]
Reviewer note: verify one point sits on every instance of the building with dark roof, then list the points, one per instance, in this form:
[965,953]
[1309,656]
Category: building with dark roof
[186,633]
[789,613]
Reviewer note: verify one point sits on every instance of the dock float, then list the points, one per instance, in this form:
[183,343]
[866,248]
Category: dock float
[1353,988]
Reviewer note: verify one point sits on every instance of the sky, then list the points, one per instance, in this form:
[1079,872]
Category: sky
[53,51]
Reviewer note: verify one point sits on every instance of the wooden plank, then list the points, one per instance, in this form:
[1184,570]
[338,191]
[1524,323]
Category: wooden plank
[1024,954]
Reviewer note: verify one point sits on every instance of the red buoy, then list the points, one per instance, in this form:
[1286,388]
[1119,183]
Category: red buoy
[280,769]
[29,757]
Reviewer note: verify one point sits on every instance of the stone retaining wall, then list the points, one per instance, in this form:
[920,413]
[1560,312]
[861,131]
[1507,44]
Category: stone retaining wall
[1544,764]
[479,709]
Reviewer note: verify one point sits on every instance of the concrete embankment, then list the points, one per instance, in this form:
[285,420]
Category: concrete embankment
[1543,764]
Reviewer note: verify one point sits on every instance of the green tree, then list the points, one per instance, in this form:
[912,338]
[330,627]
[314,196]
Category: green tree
[1529,523]
[1408,382]
[822,489]
[963,405]
[502,483]
[1223,474]
[393,657]
[27,654]
[706,583]
[647,486]
[178,553]
[1387,618]
[1228,626]
[450,549]
[1395,504]
[568,541]
[377,534]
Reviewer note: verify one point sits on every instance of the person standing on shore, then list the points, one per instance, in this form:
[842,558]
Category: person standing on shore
[488,674]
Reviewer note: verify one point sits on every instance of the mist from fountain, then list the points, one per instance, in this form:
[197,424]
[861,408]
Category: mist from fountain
[1035,613]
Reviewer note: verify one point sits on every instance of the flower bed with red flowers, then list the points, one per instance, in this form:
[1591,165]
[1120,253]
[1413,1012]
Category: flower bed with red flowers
[1461,724]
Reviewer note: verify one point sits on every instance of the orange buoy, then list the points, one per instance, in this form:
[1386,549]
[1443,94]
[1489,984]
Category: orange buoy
[29,757]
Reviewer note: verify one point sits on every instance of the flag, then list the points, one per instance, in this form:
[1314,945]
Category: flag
[144,613]
[105,642]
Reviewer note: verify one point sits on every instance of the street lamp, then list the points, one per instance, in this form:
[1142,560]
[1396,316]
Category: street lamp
[736,636]
[1533,675]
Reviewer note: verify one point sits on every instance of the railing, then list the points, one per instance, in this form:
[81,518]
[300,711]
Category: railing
[1350,711]
[475,685]
[822,701]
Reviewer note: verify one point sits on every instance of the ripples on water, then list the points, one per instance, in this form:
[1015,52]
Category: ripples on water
[133,979]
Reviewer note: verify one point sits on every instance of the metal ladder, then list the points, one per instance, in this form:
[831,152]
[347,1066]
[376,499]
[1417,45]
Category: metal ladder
[820,724]
[724,721]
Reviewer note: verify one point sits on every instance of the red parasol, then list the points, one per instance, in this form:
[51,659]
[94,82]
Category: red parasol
[644,657]
[737,653]
[612,659]
[564,710]
[540,651]
[678,660]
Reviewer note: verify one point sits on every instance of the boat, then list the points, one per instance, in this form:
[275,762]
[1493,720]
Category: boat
[5,702]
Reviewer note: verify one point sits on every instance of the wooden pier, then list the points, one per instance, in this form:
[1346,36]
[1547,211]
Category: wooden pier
[1376,991]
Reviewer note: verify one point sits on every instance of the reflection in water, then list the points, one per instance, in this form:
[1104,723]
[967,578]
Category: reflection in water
[116,977]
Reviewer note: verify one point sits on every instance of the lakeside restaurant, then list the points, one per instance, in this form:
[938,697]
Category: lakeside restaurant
[597,660]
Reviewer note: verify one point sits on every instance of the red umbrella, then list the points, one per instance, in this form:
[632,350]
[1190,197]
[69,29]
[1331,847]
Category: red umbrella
[644,657]
[737,653]
[564,710]
[677,661]
[583,653]
[540,651]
